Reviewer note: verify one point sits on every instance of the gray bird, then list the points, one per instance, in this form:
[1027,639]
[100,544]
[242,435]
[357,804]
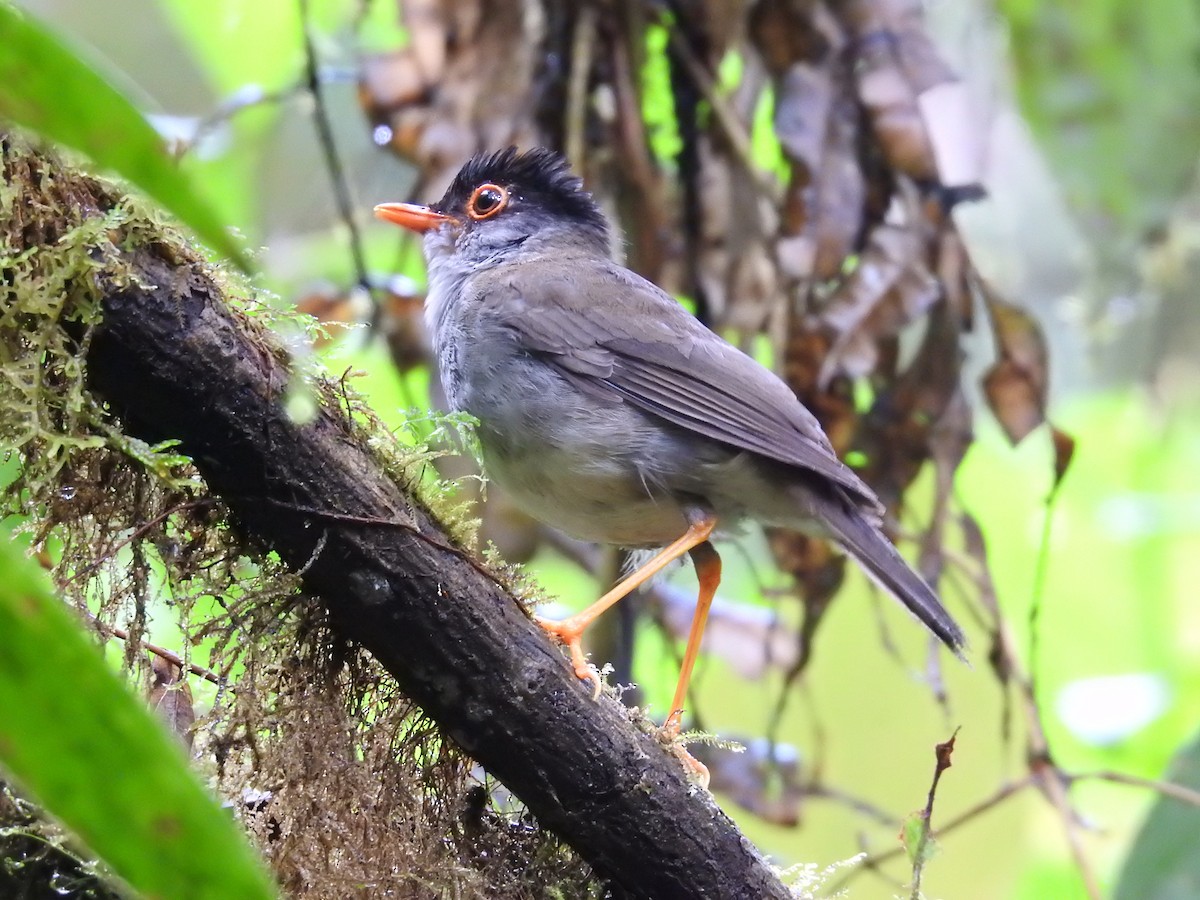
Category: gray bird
[606,410]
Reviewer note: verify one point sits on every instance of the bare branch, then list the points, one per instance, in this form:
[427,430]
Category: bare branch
[1166,788]
[161,652]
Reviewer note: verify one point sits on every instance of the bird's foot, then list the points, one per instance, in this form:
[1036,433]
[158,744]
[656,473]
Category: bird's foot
[673,727]
[671,736]
[570,633]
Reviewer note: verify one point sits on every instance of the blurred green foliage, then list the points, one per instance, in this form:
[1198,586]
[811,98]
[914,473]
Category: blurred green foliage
[75,737]
[1112,89]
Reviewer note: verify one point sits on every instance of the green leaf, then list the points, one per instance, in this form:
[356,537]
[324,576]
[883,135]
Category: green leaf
[1163,863]
[92,754]
[911,832]
[45,87]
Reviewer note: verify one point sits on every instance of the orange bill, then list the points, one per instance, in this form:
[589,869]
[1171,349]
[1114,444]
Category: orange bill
[412,216]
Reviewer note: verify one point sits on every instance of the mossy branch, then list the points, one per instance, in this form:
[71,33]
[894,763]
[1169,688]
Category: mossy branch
[174,361]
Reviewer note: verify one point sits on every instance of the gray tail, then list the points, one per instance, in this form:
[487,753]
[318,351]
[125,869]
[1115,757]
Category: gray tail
[875,553]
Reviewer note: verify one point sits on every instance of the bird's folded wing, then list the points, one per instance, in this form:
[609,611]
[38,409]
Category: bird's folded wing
[650,352]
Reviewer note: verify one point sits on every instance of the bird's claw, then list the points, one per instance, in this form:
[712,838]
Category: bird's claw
[572,636]
[673,726]
[569,633]
[671,736]
[696,770]
[590,673]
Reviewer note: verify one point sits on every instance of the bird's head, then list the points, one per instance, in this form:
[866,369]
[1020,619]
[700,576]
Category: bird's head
[504,204]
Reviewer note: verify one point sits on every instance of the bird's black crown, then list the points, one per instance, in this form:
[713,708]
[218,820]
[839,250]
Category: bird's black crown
[540,177]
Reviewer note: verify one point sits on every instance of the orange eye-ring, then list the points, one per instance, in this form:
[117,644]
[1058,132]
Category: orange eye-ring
[486,200]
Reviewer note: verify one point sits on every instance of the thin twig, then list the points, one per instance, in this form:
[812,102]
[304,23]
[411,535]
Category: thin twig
[246,97]
[1001,794]
[337,174]
[1053,786]
[1167,788]
[944,754]
[1049,776]
[873,861]
[1041,567]
[857,804]
[170,656]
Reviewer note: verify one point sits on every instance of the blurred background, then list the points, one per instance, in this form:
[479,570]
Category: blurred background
[945,223]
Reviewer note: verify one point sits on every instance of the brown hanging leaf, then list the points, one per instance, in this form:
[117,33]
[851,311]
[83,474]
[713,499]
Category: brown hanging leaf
[388,81]
[1016,385]
[839,192]
[890,287]
[891,103]
[430,29]
[818,571]
[463,83]
[948,443]
[735,268]
[1064,452]
[896,432]
[818,125]
[916,105]
[330,306]
[914,50]
[752,289]
[954,268]
[1014,397]
[784,33]
[1000,653]
[170,697]
[401,318]
[833,404]
[802,105]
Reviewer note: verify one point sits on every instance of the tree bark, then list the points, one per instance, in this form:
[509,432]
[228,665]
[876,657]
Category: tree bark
[174,362]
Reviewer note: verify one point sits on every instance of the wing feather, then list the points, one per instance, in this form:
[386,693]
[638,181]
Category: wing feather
[654,355]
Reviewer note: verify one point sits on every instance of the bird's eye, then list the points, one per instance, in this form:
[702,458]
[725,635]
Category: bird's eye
[486,200]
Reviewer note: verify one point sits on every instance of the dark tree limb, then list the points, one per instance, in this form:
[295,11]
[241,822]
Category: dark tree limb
[174,362]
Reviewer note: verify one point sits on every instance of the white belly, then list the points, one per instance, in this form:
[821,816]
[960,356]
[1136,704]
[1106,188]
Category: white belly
[593,497]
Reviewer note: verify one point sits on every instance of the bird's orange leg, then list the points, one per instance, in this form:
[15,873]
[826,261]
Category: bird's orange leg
[570,630]
[708,572]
